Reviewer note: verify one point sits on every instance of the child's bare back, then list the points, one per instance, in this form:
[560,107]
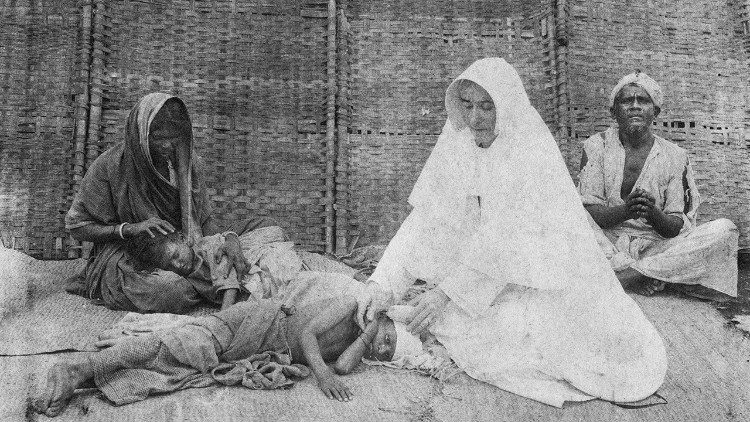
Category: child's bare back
[334,340]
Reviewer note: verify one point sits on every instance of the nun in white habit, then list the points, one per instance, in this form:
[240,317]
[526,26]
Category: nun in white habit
[525,299]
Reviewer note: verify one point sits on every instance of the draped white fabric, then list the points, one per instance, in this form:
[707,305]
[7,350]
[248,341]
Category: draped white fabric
[535,307]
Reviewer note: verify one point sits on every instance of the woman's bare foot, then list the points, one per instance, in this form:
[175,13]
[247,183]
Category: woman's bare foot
[62,380]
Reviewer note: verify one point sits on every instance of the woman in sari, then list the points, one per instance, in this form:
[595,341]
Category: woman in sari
[148,185]
[524,298]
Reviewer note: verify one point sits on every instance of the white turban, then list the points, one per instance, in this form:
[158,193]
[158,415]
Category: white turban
[642,80]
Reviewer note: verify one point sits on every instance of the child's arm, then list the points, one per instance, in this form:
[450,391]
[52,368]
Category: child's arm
[230,295]
[351,357]
[339,310]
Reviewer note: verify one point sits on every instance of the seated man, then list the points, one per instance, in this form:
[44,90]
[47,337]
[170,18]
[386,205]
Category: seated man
[639,190]
[194,355]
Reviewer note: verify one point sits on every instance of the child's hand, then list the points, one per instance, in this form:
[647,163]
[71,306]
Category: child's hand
[333,388]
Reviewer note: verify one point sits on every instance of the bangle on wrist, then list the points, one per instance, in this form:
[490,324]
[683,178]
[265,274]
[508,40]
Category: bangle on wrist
[119,230]
[365,342]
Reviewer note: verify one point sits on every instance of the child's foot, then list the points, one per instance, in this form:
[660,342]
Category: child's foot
[62,380]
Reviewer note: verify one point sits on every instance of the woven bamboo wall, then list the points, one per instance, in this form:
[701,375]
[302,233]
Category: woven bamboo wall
[695,51]
[257,79]
[403,56]
[38,64]
[253,77]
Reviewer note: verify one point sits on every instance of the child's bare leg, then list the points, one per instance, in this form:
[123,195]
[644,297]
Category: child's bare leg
[65,377]
[62,380]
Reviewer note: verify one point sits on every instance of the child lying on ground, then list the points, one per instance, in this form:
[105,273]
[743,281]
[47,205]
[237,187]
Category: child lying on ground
[164,361]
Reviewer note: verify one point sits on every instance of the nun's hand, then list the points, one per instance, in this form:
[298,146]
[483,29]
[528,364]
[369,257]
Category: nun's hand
[232,249]
[373,300]
[429,305]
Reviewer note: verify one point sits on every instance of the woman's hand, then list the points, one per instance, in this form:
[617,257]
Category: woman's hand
[151,226]
[429,305]
[373,300]
[232,249]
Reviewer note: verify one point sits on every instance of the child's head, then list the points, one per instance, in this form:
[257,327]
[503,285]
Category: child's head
[169,252]
[392,341]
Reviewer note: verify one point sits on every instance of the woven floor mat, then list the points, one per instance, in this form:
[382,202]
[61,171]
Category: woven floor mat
[57,322]
[37,316]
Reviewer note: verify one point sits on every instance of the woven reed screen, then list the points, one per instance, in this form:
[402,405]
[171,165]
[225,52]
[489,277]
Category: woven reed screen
[253,78]
[404,55]
[38,82]
[695,51]
[257,78]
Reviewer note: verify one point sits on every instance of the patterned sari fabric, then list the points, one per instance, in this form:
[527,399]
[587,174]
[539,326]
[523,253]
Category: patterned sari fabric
[535,308]
[703,254]
[122,185]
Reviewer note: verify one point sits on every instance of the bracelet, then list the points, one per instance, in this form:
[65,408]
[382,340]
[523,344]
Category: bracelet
[119,230]
[362,337]
[363,341]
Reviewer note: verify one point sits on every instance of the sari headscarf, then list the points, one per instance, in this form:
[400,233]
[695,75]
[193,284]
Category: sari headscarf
[533,229]
[139,190]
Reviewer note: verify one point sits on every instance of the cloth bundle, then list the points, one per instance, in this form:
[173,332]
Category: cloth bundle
[274,261]
[263,371]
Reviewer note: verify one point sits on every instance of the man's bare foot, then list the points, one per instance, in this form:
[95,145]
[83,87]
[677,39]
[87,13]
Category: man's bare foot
[62,380]
[638,283]
[648,287]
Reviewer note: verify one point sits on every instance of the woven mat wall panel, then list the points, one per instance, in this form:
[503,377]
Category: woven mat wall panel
[447,9]
[253,78]
[695,51]
[401,65]
[37,81]
[401,68]
[383,170]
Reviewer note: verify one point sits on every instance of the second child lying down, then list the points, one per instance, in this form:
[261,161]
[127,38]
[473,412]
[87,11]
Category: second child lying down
[164,361]
[273,262]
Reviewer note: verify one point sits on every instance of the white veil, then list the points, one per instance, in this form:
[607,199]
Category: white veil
[533,230]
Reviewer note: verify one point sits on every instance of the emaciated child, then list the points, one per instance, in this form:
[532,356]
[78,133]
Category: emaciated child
[165,361]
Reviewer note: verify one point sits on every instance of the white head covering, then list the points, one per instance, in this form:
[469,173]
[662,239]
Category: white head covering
[533,230]
[644,81]
[407,344]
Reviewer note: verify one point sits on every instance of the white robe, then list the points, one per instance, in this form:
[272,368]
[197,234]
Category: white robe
[535,308]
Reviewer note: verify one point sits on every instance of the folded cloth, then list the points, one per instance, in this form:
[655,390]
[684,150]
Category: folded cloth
[274,262]
[262,371]
[434,362]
